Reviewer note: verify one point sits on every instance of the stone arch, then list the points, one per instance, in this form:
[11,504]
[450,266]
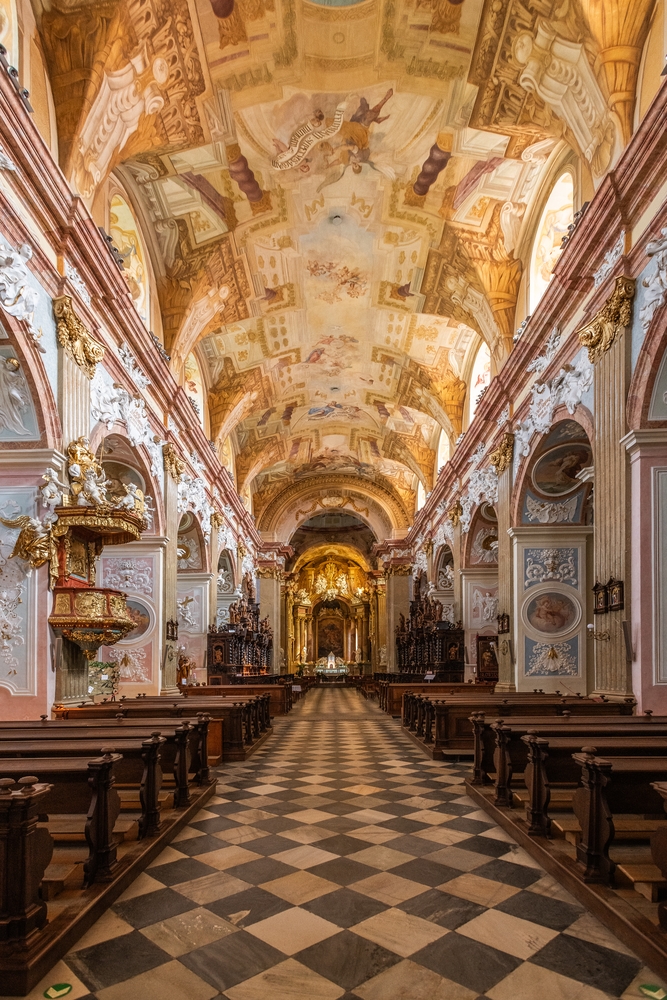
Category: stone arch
[555,503]
[650,367]
[481,541]
[192,550]
[42,398]
[379,506]
[114,447]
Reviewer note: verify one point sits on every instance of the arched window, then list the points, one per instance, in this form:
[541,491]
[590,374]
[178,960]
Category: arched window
[481,377]
[556,217]
[421,495]
[443,451]
[124,231]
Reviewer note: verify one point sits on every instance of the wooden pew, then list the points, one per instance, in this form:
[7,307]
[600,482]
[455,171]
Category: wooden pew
[453,729]
[255,709]
[230,732]
[78,785]
[280,695]
[139,763]
[620,775]
[498,746]
[26,850]
[185,750]
[390,693]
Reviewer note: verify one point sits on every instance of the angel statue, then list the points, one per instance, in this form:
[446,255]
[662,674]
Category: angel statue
[52,493]
[34,543]
[87,478]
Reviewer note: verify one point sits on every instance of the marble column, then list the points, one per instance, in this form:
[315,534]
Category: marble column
[608,340]
[381,634]
[173,468]
[73,399]
[269,600]
[506,662]
[398,602]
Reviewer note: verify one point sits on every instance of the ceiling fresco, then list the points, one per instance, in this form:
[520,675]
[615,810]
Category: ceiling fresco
[338,197]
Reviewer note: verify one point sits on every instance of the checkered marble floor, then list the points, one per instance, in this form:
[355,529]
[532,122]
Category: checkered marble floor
[339,862]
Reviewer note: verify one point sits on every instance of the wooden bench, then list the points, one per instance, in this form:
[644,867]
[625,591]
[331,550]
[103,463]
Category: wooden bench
[139,764]
[75,785]
[448,729]
[390,693]
[499,748]
[232,740]
[185,750]
[280,695]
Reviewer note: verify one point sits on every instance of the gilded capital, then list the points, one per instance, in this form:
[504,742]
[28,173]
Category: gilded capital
[174,465]
[82,348]
[501,458]
[616,313]
[454,512]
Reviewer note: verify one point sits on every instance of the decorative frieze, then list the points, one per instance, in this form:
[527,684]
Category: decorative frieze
[566,388]
[110,403]
[551,511]
[598,335]
[542,361]
[610,258]
[559,659]
[5,162]
[192,496]
[550,565]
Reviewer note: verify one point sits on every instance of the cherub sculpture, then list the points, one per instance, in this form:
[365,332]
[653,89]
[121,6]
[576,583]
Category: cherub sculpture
[133,500]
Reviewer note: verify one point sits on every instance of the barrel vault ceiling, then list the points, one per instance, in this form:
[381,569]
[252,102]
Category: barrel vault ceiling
[335,198]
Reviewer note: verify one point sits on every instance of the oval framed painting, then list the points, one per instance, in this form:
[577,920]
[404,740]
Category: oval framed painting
[142,616]
[555,473]
[551,613]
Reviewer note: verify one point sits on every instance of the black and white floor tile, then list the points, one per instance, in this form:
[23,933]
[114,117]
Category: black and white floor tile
[341,864]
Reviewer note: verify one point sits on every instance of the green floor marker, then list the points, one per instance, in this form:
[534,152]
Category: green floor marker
[656,992]
[62,989]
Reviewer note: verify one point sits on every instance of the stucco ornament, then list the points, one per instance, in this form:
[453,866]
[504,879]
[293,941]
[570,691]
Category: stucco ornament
[17,297]
[615,315]
[130,365]
[566,388]
[110,403]
[552,565]
[192,496]
[656,284]
[548,512]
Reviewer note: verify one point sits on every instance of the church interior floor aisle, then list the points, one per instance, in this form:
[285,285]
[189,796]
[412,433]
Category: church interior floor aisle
[340,863]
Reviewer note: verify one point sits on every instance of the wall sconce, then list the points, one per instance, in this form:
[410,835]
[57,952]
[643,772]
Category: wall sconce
[604,636]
